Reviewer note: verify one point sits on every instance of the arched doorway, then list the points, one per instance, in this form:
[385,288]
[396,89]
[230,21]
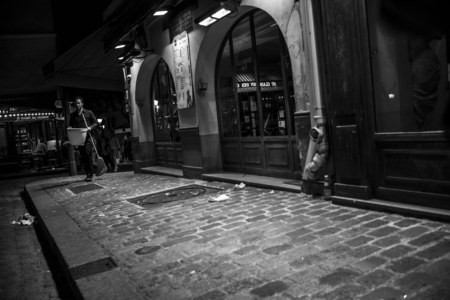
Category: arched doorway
[256,99]
[165,113]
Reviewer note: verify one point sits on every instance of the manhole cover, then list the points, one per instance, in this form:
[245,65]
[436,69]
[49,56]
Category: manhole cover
[176,194]
[85,188]
[92,268]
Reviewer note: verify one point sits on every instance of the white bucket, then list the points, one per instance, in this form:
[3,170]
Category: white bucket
[77,136]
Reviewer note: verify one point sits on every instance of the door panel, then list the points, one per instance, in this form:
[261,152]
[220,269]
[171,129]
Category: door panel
[231,153]
[169,155]
[252,154]
[278,155]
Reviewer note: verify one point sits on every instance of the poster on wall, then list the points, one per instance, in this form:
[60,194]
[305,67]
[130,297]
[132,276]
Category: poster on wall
[183,73]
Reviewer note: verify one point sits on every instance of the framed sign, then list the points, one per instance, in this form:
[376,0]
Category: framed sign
[183,72]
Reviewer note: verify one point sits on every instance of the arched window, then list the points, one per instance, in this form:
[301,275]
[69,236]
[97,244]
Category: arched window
[165,105]
[256,97]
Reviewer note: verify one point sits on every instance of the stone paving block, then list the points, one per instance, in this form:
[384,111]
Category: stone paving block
[276,271]
[360,240]
[354,231]
[397,251]
[363,251]
[428,238]
[210,226]
[440,269]
[413,231]
[321,224]
[369,263]
[252,258]
[243,284]
[374,223]
[405,264]
[387,241]
[348,291]
[246,250]
[348,223]
[338,277]
[415,281]
[275,250]
[306,261]
[337,251]
[383,231]
[270,289]
[304,239]
[344,217]
[436,251]
[407,222]
[384,293]
[256,218]
[299,232]
[274,241]
[328,231]
[436,293]
[367,215]
[234,225]
[207,239]
[375,278]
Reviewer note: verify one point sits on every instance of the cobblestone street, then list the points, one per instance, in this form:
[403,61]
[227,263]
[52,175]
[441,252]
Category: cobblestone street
[258,243]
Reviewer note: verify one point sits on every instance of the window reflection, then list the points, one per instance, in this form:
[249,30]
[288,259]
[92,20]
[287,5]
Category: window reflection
[165,105]
[410,62]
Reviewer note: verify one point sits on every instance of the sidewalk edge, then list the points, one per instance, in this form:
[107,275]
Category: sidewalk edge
[73,248]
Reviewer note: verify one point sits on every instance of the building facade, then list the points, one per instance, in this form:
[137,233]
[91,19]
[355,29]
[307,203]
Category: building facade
[354,89]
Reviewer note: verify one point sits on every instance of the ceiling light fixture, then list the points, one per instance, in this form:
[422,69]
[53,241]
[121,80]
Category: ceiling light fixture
[217,13]
[161,11]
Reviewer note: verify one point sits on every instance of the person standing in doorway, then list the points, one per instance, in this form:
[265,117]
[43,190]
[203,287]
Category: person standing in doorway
[84,118]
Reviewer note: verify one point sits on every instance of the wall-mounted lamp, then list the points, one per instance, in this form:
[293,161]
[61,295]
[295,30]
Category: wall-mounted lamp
[217,13]
[130,52]
[202,85]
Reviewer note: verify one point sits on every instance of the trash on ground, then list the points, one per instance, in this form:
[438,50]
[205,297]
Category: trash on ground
[272,192]
[220,198]
[239,186]
[101,215]
[24,220]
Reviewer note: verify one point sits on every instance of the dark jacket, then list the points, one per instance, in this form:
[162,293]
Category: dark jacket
[76,120]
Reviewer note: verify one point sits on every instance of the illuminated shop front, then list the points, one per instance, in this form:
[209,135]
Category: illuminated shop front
[256,99]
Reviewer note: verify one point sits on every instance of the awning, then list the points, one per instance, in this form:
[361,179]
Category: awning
[87,65]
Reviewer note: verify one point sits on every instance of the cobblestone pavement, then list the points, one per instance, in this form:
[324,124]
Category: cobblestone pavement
[24,272]
[257,244]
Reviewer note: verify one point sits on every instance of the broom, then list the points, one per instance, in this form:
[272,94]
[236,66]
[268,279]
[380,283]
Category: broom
[101,166]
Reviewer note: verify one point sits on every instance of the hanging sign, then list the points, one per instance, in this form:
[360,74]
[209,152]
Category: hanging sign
[183,72]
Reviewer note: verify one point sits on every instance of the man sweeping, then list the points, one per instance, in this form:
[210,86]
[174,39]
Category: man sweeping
[84,118]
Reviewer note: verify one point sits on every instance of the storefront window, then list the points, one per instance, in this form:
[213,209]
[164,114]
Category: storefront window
[165,105]
[256,61]
[411,63]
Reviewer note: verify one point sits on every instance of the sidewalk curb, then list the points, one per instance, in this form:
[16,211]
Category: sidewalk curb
[72,249]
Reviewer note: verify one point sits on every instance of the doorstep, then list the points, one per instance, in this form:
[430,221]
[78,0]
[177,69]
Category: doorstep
[267,182]
[162,171]
[395,207]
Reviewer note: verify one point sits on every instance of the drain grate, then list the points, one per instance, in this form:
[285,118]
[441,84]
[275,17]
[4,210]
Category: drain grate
[92,268]
[176,194]
[85,188]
